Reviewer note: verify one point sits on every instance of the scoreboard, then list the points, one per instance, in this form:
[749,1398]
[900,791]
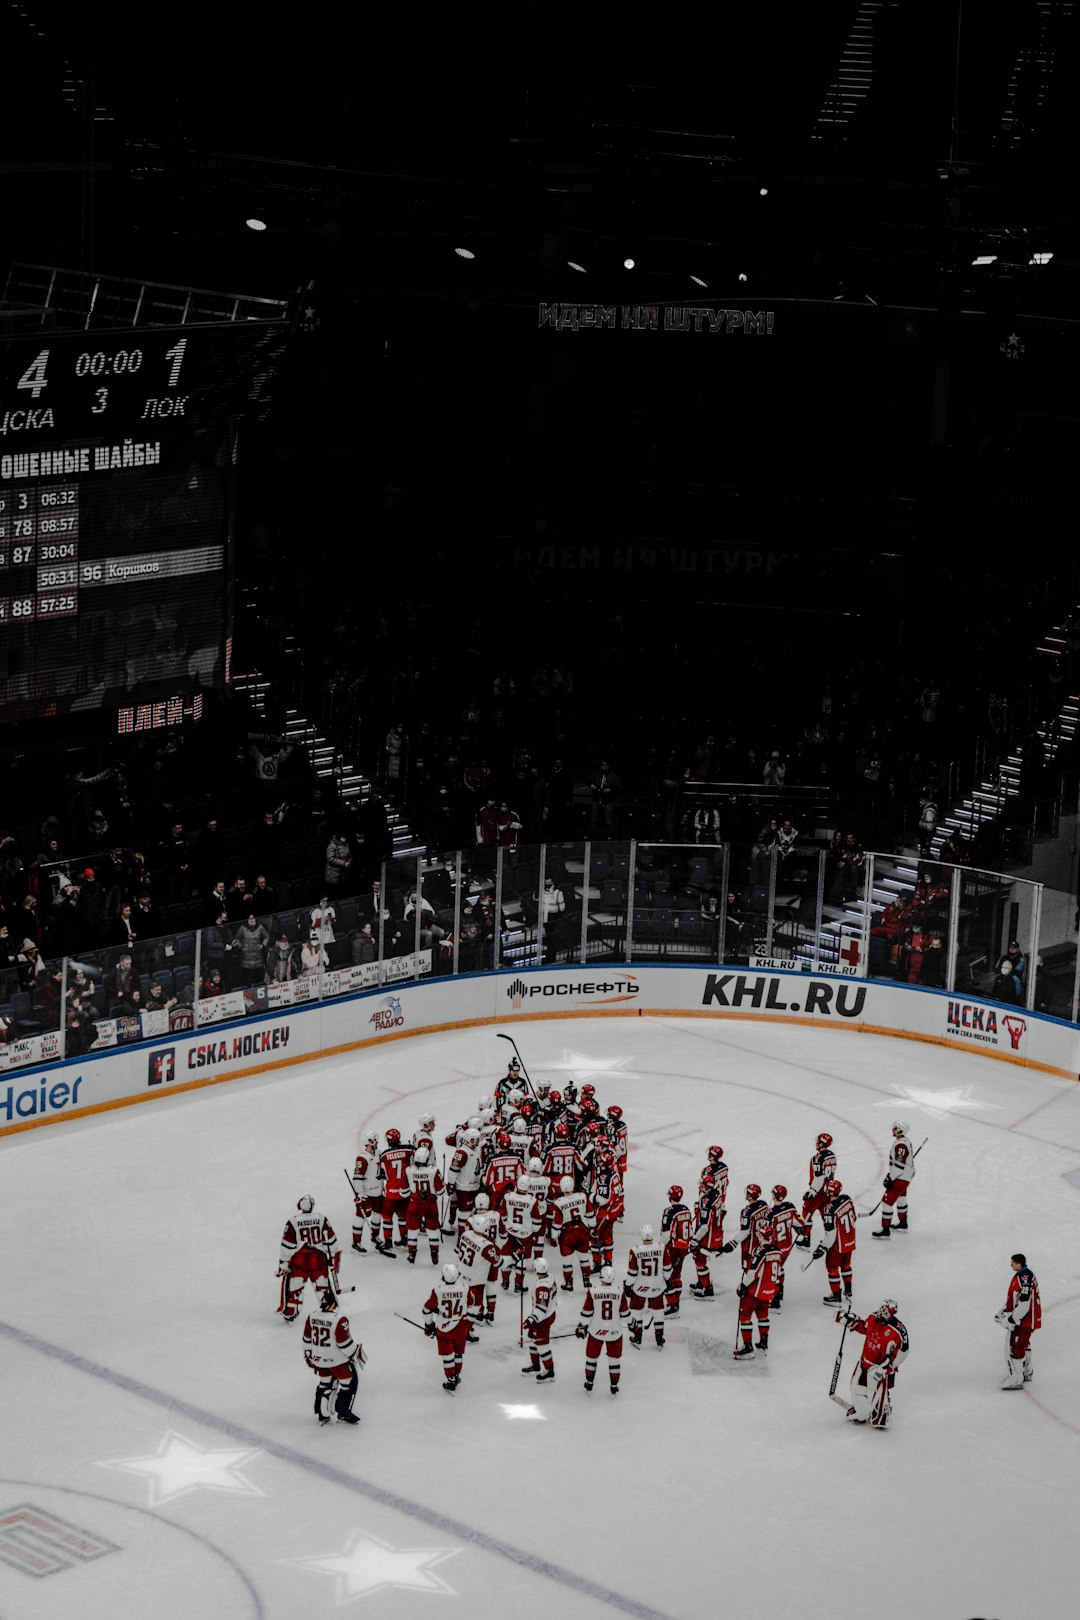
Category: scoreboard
[118,456]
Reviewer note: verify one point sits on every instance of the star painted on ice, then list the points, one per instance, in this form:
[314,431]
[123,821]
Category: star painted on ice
[938,1104]
[368,1565]
[180,1466]
[582,1066]
[526,1413]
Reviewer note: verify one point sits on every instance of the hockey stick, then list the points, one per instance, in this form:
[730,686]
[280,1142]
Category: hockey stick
[833,1396]
[517,1054]
[809,1263]
[410,1321]
[863,1213]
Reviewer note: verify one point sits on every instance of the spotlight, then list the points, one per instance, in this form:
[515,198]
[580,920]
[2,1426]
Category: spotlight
[742,275]
[763,191]
[254,224]
[580,268]
[628,264]
[465,253]
[698,281]
[1041,258]
[985,258]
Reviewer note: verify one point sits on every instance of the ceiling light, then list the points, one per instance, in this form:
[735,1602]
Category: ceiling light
[465,253]
[1041,258]
[698,281]
[763,191]
[985,258]
[742,275]
[255,224]
[628,264]
[580,268]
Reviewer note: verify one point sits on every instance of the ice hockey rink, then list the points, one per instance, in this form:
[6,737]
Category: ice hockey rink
[159,1451]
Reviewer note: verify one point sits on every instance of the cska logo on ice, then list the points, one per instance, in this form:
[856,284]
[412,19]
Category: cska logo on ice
[389,1015]
[975,1022]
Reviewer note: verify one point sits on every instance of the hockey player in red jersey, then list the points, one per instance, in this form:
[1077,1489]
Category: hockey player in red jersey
[676,1227]
[872,1381]
[822,1170]
[619,1136]
[838,1243]
[308,1252]
[646,1287]
[753,1216]
[501,1171]
[394,1161]
[422,1211]
[901,1170]
[785,1221]
[761,1280]
[478,1259]
[572,1224]
[717,1169]
[1022,1316]
[367,1193]
[605,1194]
[562,1159]
[539,1322]
[446,1320]
[605,1310]
[334,1357]
[707,1236]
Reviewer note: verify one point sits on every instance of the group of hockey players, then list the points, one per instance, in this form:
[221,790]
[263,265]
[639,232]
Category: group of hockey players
[537,1170]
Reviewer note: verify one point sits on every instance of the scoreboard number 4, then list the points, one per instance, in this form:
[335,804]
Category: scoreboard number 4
[34,376]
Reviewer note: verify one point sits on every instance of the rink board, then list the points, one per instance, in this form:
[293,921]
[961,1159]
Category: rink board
[115,1079]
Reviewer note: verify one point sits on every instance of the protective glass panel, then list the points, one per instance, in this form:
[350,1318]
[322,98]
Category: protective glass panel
[1055,957]
[996,912]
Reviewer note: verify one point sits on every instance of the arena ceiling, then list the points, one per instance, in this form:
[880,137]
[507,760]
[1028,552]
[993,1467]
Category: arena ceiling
[835,150]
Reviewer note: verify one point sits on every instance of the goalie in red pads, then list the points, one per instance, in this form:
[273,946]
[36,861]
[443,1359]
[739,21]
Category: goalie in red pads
[883,1352]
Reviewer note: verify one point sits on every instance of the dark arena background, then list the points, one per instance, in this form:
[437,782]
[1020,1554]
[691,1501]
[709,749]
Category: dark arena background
[515,514]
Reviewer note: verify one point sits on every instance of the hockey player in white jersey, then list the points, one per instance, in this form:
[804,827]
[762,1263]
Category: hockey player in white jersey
[645,1287]
[603,1315]
[334,1356]
[367,1195]
[901,1171]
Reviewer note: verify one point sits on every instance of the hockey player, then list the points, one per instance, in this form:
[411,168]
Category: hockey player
[718,1170]
[605,1194]
[675,1229]
[422,1211]
[1022,1316]
[424,1135]
[334,1356]
[478,1260]
[761,1279]
[707,1236]
[562,1159]
[463,1178]
[619,1135]
[572,1224]
[753,1216]
[822,1170]
[367,1195]
[511,1081]
[873,1379]
[838,1244]
[785,1220]
[901,1170]
[519,1225]
[605,1310]
[645,1287]
[501,1171]
[534,1126]
[394,1161]
[539,1323]
[538,1185]
[447,1321]
[308,1253]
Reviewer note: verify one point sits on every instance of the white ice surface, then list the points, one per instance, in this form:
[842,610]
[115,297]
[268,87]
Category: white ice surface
[149,1393]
